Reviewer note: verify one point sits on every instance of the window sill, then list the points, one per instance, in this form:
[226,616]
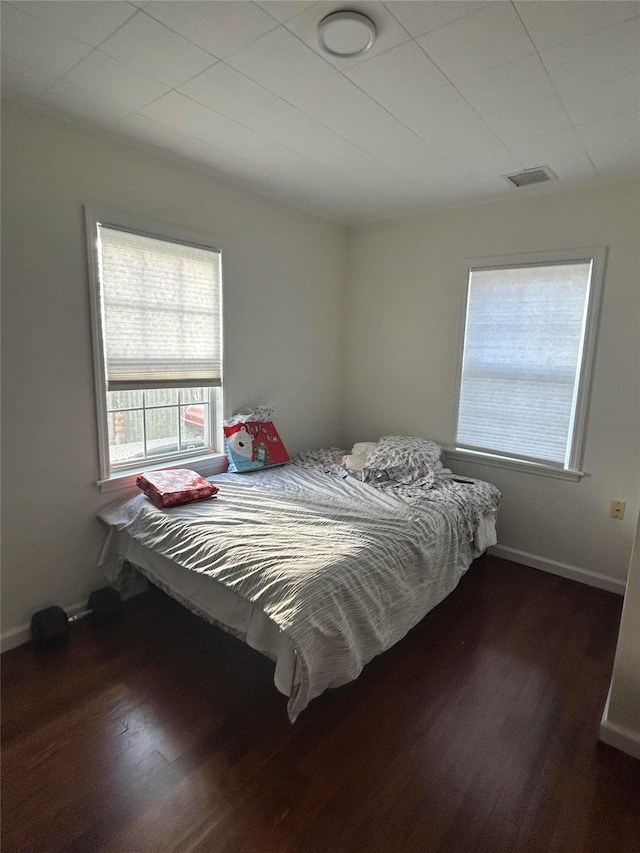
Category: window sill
[206,466]
[513,464]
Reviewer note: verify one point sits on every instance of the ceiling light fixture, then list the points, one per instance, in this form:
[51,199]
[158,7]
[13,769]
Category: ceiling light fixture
[346,33]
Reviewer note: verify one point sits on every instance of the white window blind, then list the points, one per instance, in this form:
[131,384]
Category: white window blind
[161,308]
[523,347]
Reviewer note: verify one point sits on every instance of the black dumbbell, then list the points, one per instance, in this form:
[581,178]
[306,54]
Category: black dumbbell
[50,627]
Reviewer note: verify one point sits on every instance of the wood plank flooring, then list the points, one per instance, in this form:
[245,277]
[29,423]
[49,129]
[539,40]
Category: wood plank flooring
[477,732]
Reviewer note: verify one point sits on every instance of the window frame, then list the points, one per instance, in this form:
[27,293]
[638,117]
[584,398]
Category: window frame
[572,470]
[206,462]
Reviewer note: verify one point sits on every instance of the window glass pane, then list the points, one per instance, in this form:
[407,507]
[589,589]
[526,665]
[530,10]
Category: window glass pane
[161,397]
[169,429]
[162,431]
[195,426]
[522,351]
[194,395]
[124,400]
[126,436]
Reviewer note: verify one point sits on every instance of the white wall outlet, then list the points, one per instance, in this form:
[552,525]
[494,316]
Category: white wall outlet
[617,509]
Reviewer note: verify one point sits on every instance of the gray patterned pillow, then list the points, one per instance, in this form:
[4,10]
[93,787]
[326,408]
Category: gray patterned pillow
[403,459]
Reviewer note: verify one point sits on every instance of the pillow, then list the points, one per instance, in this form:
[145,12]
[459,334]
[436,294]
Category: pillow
[403,459]
[252,445]
[172,487]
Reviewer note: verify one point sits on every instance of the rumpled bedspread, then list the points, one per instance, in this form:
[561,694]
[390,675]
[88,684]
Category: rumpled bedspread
[344,569]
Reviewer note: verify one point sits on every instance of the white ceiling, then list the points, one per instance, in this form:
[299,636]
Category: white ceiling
[452,95]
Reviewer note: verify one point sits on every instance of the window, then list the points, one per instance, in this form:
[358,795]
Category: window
[527,352]
[157,324]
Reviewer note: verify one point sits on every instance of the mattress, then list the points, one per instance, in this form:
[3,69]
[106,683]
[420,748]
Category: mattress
[318,573]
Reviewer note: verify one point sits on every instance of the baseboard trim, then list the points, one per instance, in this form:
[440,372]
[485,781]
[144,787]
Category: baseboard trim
[14,638]
[22,634]
[564,570]
[618,736]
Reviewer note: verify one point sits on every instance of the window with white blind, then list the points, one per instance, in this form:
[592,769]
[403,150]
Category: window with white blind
[525,369]
[157,329]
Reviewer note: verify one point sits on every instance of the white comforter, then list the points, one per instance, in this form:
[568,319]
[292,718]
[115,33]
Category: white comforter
[343,569]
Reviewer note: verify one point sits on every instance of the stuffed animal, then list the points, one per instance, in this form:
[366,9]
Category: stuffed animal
[355,461]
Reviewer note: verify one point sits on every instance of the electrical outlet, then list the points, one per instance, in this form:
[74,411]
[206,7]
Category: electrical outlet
[617,509]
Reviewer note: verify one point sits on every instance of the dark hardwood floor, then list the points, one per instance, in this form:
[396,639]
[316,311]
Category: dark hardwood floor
[478,732]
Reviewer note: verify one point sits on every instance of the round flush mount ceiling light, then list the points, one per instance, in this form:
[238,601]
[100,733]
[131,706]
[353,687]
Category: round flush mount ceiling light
[346,33]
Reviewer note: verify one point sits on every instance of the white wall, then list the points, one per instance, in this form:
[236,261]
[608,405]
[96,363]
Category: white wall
[406,284]
[283,275]
[621,721]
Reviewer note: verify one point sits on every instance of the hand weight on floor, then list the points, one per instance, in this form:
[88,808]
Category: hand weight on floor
[50,627]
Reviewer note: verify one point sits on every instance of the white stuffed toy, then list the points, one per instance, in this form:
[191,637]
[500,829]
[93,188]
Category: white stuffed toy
[356,460]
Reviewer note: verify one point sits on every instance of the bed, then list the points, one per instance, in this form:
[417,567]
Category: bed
[316,569]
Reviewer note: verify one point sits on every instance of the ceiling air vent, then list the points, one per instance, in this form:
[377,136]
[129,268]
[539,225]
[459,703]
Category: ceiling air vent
[531,176]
